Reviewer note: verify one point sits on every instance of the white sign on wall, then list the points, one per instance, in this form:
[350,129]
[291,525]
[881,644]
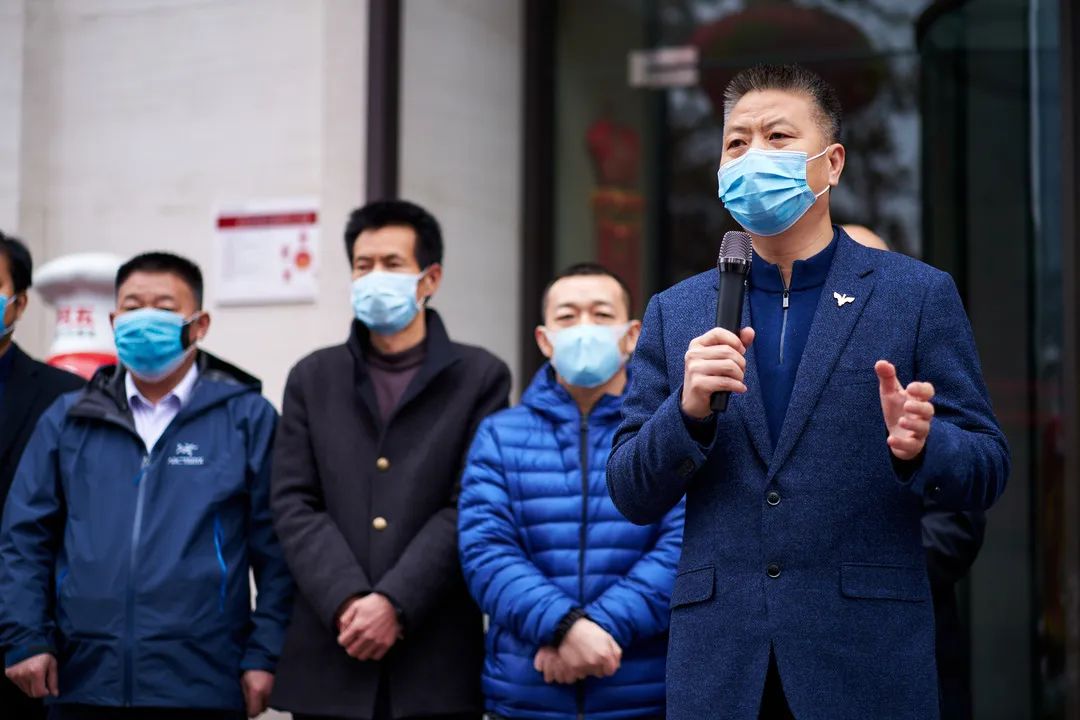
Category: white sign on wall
[267,252]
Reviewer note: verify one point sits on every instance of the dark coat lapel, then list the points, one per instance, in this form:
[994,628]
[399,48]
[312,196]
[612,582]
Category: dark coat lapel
[440,355]
[750,404]
[851,275]
[18,397]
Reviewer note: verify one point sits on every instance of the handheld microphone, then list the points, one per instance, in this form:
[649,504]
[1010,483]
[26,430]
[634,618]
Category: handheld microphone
[732,267]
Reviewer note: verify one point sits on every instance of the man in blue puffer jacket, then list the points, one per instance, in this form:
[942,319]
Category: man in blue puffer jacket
[137,511]
[577,596]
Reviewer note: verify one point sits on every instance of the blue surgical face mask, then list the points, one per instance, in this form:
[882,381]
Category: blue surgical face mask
[386,301]
[587,355]
[150,342]
[766,190]
[5,329]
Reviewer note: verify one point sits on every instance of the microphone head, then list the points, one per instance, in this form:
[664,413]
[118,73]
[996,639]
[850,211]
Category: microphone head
[736,247]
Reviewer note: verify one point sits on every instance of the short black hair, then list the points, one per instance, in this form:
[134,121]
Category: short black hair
[19,262]
[163,262]
[384,213]
[587,269]
[790,78]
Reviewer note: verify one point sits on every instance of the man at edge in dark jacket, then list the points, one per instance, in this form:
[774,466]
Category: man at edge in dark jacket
[366,474]
[27,388]
[138,511]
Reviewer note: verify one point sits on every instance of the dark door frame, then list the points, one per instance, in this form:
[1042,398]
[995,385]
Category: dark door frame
[383,99]
[538,170]
[1070,146]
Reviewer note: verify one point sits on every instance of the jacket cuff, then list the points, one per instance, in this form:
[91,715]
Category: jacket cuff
[595,612]
[687,454]
[929,475]
[549,621]
[331,602]
[16,655]
[565,624]
[258,660]
[702,431]
[397,606]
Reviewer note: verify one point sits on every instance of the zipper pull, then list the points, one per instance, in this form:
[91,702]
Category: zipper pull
[787,297]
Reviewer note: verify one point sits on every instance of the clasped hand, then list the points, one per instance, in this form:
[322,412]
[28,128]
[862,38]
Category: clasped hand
[587,651]
[368,627]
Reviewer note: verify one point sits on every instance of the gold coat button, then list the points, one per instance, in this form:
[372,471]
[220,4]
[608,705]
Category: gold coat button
[382,464]
[379,523]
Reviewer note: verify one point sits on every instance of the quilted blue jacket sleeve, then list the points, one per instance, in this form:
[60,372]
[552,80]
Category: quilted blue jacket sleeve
[502,579]
[273,603]
[637,606]
[966,460]
[654,455]
[32,528]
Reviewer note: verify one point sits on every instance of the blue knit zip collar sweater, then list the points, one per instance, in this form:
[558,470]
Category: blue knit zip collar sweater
[781,316]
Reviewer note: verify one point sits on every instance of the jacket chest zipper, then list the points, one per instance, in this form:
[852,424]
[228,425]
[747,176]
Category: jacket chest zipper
[783,323]
[584,533]
[149,458]
[129,600]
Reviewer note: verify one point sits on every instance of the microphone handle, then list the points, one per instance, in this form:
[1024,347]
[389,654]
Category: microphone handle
[729,311]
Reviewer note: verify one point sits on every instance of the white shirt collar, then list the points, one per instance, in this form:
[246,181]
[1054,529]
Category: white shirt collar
[182,391]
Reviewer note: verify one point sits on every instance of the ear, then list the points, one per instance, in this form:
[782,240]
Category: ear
[836,156]
[629,342]
[21,301]
[543,342]
[112,320]
[430,283]
[199,327]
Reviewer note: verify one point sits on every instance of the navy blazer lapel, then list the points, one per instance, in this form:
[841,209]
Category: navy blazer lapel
[850,275]
[751,406]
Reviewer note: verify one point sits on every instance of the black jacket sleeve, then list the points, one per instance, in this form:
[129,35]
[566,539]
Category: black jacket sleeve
[322,563]
[430,561]
[952,541]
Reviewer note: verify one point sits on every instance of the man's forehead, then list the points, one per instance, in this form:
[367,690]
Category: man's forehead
[159,284]
[584,289]
[389,240]
[770,107]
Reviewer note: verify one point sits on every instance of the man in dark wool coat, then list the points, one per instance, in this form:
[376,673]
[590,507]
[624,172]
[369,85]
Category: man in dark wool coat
[368,460]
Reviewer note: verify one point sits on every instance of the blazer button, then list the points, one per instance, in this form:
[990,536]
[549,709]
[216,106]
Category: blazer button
[382,464]
[773,570]
[773,498]
[687,468]
[379,523]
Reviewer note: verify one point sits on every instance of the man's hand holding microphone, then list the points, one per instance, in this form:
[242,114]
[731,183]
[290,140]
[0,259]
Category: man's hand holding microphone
[715,362]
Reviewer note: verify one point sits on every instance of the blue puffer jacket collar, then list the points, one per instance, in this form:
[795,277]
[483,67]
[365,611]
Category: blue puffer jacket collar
[547,397]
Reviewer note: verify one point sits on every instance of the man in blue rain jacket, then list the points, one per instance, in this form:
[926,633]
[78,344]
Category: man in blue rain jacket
[577,595]
[138,509]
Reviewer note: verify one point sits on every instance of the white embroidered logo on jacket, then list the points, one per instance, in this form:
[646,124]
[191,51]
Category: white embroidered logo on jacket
[185,455]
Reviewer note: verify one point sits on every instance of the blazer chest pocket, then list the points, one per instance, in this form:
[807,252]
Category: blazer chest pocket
[883,582]
[693,586]
[848,376]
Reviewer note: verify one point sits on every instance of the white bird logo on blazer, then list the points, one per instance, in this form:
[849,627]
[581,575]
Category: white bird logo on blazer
[842,300]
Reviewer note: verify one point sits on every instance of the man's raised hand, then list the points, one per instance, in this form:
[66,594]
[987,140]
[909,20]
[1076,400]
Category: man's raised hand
[908,411]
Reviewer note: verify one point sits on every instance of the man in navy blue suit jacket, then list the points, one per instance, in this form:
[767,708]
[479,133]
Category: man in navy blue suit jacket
[802,588]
